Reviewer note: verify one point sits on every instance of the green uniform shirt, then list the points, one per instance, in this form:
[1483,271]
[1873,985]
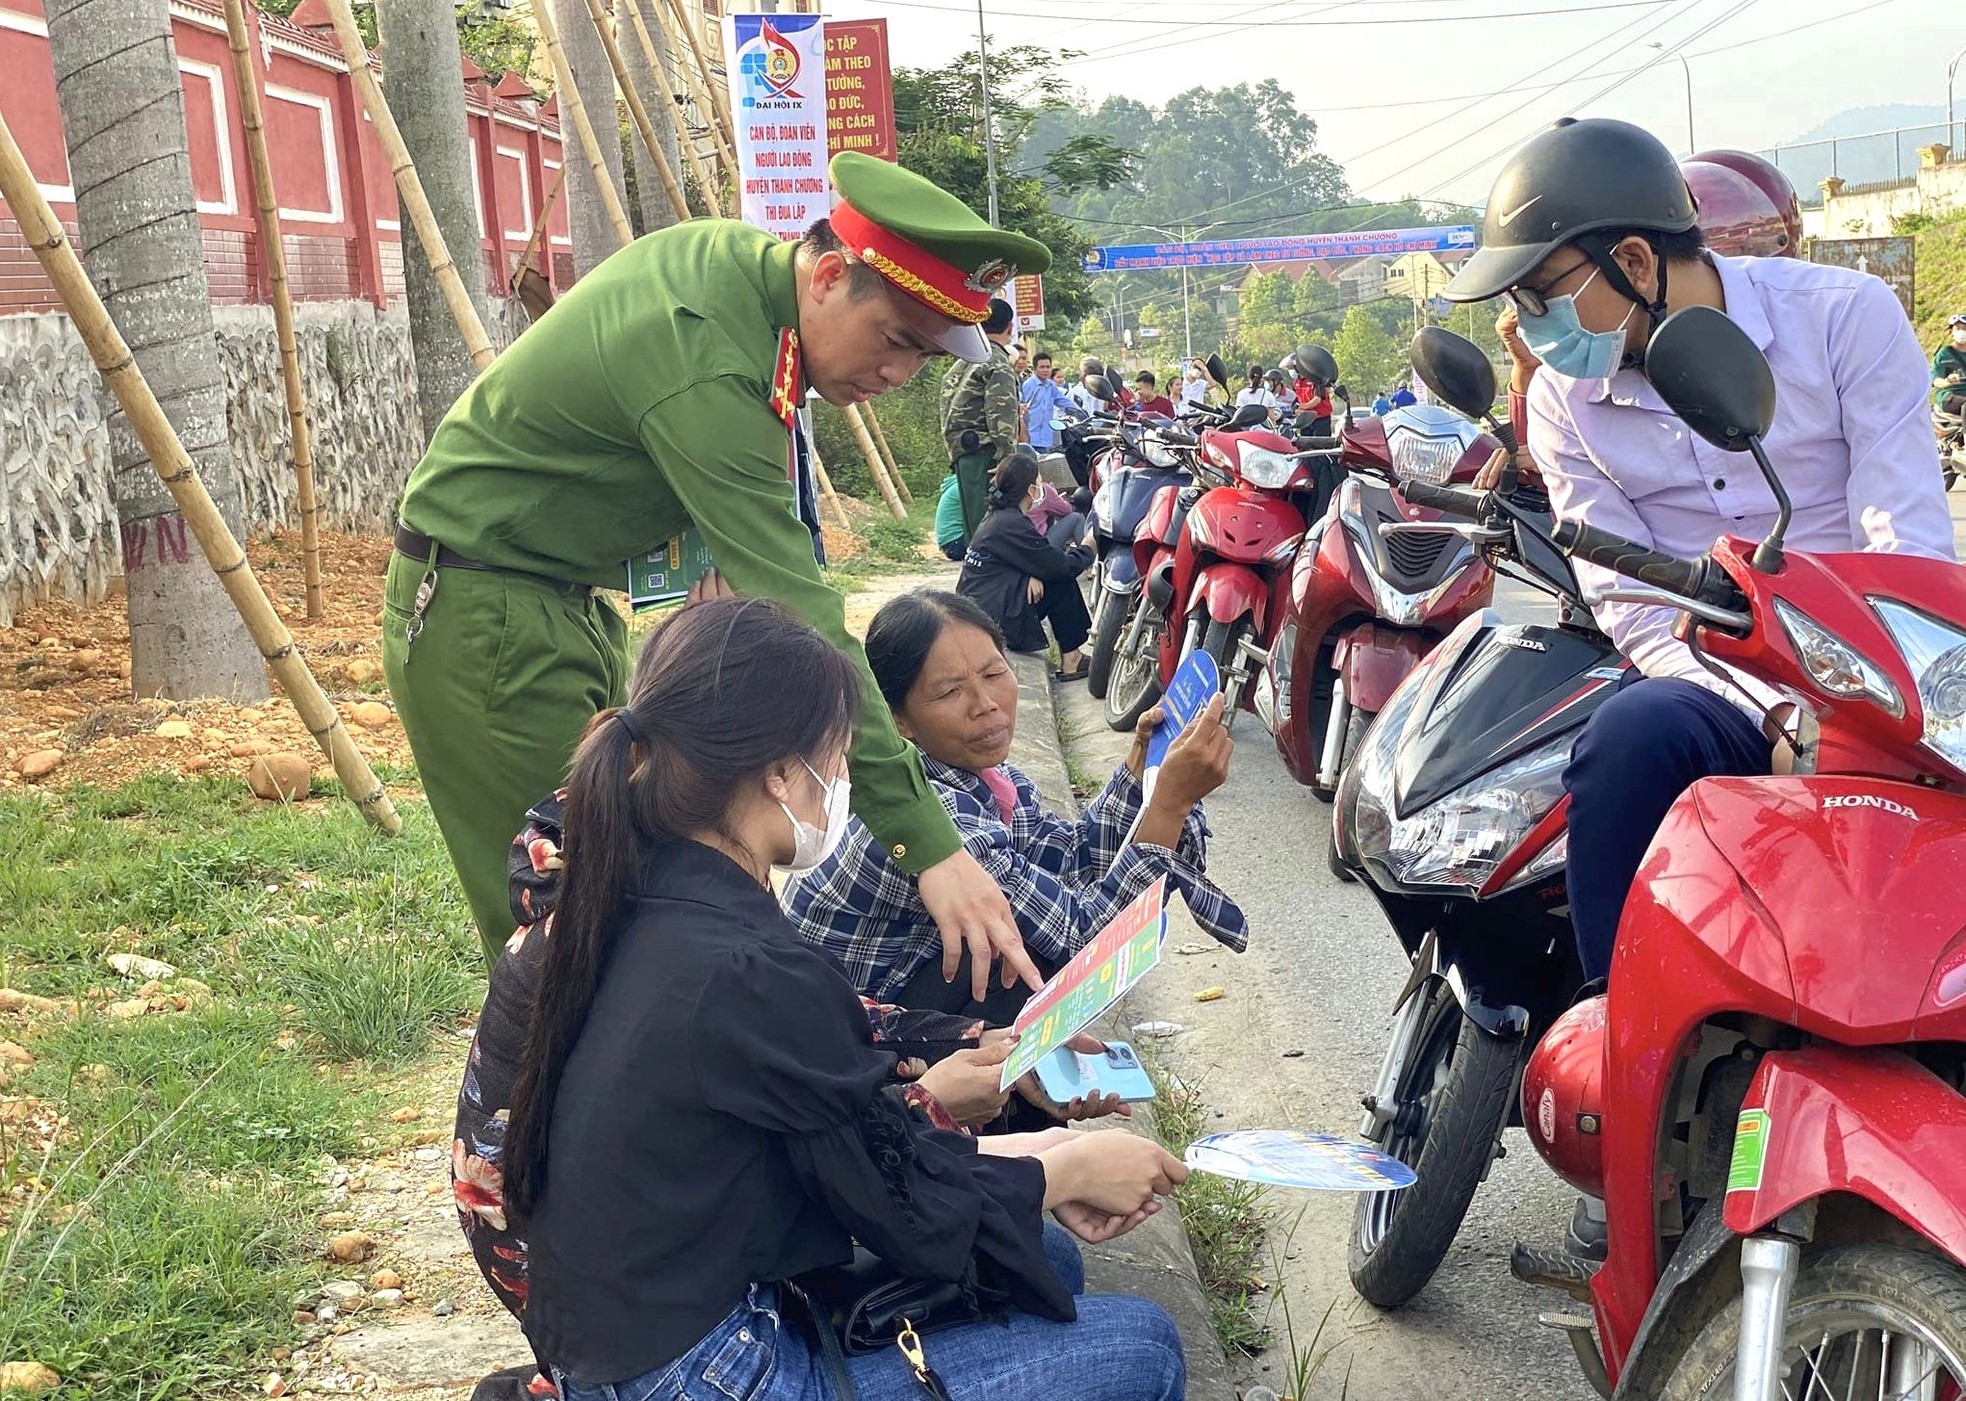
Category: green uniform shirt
[1948,360]
[949,512]
[983,398]
[641,404]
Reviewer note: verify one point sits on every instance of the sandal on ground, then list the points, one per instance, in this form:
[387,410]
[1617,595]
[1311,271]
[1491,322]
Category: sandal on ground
[1085,670]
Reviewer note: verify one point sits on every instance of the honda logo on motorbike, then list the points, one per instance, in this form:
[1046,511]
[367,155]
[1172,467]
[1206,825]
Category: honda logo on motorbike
[1869,800]
[1528,644]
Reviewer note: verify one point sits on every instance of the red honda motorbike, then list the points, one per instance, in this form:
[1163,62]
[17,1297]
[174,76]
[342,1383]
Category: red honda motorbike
[1771,1099]
[1204,549]
[1379,581]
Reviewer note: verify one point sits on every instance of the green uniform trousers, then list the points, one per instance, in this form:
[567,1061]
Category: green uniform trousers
[973,482]
[494,694]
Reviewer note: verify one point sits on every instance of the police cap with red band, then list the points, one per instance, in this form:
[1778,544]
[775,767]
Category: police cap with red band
[929,244]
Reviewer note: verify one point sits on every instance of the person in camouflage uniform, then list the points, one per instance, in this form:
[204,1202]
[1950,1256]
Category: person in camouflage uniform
[981,400]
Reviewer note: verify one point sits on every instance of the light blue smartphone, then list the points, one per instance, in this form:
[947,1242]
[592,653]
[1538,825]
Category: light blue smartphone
[1066,1075]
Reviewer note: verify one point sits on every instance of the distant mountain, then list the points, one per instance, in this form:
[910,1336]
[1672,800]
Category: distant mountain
[1861,121]
[1848,145]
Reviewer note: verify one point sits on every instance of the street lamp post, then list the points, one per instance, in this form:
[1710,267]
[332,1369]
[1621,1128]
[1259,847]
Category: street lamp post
[989,127]
[1951,68]
[1183,237]
[1691,144]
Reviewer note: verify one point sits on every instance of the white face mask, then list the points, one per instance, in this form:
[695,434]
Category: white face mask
[812,845]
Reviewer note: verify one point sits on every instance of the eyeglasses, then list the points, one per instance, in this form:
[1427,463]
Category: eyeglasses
[1535,301]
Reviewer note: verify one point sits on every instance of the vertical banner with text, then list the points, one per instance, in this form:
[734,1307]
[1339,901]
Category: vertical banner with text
[777,68]
[859,88]
[1029,302]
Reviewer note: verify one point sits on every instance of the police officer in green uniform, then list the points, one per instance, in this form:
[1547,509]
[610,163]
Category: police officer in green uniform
[979,415]
[656,395]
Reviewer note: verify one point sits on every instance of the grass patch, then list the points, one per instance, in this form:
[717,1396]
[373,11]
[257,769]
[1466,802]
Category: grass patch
[1225,1220]
[153,1250]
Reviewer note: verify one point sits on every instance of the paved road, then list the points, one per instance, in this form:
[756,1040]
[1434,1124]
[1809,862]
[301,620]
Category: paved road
[1320,979]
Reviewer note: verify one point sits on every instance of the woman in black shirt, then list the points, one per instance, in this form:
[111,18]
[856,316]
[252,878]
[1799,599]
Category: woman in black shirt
[1018,578]
[700,1113]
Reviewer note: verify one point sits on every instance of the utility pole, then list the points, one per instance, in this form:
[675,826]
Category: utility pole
[989,127]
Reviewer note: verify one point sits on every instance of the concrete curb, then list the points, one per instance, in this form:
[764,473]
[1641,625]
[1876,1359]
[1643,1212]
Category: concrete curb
[1154,1261]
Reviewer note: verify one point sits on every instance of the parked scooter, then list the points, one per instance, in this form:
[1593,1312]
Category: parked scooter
[1161,458]
[1379,581]
[1949,427]
[1233,550]
[1771,1100]
[1452,814]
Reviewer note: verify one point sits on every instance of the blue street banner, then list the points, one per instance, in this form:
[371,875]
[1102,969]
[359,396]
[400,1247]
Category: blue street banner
[1291,248]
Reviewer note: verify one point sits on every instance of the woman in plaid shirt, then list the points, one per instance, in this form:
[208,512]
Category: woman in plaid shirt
[941,667]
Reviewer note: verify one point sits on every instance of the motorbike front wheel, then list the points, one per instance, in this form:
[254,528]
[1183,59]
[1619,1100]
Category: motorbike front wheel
[1134,685]
[1863,1321]
[1222,642]
[1451,1102]
[1110,618]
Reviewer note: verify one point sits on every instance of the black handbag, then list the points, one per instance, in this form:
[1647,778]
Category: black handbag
[864,1306]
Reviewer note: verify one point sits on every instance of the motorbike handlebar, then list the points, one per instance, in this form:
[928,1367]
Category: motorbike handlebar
[1315,443]
[1686,577]
[1452,500]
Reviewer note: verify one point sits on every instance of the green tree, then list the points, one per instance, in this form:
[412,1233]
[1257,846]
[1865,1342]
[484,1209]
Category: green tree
[495,42]
[1369,357]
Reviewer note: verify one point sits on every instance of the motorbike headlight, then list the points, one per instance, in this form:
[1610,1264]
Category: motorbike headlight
[1157,454]
[1425,441]
[1834,665]
[1365,791]
[1936,654]
[1102,501]
[1265,467]
[1460,839]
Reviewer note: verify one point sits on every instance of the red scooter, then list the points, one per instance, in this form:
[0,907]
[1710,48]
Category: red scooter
[1204,547]
[1771,1099]
[1379,581]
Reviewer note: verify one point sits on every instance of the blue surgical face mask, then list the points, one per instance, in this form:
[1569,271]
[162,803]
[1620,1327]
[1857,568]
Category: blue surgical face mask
[1559,339]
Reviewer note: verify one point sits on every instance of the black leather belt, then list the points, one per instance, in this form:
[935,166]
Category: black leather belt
[417,546]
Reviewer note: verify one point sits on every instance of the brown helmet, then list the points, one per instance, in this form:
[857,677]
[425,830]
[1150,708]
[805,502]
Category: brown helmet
[1563,1096]
[1747,206]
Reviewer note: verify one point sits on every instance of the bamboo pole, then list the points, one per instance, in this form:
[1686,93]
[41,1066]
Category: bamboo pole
[826,485]
[476,343]
[706,178]
[719,99]
[113,359]
[250,116]
[572,106]
[696,81]
[638,112]
[874,464]
[880,441]
[539,227]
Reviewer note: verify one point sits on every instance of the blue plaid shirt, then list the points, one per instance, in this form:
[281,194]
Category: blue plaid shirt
[1064,880]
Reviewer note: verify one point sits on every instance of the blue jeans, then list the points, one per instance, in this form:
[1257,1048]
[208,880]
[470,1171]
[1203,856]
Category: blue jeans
[1121,1349]
[1641,750]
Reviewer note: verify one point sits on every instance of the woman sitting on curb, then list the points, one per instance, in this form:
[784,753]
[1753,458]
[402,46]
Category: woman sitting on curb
[940,664]
[947,1072]
[1019,578]
[701,1112]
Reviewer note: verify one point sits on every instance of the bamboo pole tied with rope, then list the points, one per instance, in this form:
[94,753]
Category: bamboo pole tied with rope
[246,74]
[571,105]
[173,465]
[476,343]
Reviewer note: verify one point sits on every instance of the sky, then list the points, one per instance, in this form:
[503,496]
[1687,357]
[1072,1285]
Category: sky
[1402,89]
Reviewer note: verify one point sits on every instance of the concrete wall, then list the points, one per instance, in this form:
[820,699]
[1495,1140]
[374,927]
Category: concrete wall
[1871,212]
[58,533]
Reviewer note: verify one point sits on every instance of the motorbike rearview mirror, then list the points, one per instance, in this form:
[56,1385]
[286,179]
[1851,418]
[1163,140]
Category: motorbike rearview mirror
[1217,371]
[1315,362]
[1717,380]
[1249,415]
[1455,370]
[1459,374]
[1103,387]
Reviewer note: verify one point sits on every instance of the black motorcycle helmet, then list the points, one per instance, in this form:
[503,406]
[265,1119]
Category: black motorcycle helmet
[1312,362]
[1578,178]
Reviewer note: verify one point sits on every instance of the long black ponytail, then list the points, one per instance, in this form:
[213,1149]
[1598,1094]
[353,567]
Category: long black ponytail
[723,691]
